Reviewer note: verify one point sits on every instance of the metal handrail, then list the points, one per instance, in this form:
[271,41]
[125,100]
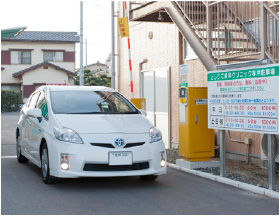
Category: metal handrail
[235,27]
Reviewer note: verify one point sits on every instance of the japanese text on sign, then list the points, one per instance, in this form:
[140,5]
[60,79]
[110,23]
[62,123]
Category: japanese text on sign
[123,26]
[244,99]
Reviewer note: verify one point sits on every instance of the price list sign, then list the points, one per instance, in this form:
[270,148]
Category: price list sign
[244,99]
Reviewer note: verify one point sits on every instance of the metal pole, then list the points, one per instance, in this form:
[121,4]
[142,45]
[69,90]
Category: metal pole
[209,28]
[113,47]
[263,30]
[86,53]
[140,81]
[222,153]
[81,45]
[271,163]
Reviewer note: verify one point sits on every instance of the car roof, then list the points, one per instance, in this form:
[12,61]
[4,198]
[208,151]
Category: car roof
[78,88]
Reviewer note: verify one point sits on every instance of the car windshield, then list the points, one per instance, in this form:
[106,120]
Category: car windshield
[90,102]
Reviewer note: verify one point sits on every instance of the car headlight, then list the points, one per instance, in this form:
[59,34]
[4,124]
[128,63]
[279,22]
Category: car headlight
[67,135]
[155,135]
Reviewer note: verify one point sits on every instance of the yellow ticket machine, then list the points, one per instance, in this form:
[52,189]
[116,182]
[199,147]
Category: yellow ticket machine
[196,141]
[140,103]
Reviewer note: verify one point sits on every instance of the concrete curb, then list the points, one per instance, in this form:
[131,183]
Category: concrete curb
[237,184]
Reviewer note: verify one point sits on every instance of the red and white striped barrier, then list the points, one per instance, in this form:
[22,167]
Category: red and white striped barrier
[129,54]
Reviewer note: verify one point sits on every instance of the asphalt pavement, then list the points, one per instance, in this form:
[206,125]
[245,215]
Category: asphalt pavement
[23,192]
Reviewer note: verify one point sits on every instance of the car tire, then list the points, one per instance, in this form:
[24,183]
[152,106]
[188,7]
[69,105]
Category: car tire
[47,178]
[148,177]
[20,157]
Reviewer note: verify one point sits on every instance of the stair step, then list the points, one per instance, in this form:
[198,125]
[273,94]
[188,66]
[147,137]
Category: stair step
[245,49]
[231,39]
[221,30]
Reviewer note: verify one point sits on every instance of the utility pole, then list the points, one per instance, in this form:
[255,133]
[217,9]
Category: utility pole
[113,47]
[86,53]
[81,45]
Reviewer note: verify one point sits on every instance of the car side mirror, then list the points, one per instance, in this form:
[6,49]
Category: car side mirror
[143,112]
[36,113]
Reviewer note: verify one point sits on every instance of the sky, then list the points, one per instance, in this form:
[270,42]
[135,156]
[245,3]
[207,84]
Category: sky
[64,15]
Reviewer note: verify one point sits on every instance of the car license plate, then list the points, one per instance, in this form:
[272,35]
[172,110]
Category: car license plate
[120,158]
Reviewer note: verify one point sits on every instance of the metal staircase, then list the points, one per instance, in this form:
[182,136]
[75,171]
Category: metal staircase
[233,30]
[221,31]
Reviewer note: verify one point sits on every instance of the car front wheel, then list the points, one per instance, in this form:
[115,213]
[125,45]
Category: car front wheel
[20,157]
[47,178]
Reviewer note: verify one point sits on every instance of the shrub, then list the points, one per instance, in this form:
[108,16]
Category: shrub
[10,100]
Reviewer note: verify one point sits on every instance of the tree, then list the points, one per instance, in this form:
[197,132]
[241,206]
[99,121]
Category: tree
[89,80]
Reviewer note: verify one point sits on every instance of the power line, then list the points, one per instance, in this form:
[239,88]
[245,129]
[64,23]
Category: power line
[87,27]
[101,7]
[98,45]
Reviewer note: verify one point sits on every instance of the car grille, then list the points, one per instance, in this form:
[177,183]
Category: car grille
[107,167]
[129,145]
[109,145]
[105,145]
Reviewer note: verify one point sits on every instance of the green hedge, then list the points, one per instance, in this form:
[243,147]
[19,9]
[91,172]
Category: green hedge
[10,100]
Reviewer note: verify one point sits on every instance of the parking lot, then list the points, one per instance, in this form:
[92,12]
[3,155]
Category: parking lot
[23,191]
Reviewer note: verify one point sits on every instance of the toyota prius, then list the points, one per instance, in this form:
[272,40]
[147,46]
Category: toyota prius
[77,131]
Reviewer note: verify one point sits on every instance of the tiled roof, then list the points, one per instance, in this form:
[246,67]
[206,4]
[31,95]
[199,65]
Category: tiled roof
[19,73]
[45,36]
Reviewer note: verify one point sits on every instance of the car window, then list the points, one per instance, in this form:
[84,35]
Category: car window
[28,102]
[33,101]
[42,104]
[90,102]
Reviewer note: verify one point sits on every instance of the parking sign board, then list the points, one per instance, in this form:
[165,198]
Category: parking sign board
[244,99]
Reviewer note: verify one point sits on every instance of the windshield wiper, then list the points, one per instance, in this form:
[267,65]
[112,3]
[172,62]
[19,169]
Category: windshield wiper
[82,113]
[133,112]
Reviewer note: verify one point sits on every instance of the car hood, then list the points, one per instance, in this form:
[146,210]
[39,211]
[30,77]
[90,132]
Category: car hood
[98,123]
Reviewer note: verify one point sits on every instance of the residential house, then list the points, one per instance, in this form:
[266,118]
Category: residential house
[200,35]
[108,62]
[35,58]
[97,69]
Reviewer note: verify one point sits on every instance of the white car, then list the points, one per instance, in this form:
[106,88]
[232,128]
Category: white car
[76,131]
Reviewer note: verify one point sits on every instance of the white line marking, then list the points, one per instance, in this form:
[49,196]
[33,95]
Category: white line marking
[10,156]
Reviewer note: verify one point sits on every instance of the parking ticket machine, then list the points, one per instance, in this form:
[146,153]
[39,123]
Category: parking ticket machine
[196,141]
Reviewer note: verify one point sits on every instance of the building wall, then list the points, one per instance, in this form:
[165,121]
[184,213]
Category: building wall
[166,49]
[51,75]
[198,78]
[160,51]
[95,67]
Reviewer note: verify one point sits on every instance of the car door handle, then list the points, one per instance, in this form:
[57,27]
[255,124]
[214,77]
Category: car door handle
[196,119]
[29,122]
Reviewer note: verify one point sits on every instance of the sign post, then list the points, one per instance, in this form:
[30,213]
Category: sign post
[247,100]
[271,163]
[222,134]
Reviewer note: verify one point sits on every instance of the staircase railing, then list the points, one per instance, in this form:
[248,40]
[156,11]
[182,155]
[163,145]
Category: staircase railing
[233,30]
[272,37]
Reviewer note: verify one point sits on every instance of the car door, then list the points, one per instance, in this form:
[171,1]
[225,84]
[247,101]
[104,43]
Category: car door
[30,125]
[38,126]
[24,125]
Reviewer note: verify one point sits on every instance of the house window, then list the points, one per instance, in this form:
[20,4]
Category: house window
[185,48]
[53,56]
[20,57]
[188,53]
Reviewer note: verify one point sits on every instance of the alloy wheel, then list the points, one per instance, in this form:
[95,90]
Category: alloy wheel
[45,162]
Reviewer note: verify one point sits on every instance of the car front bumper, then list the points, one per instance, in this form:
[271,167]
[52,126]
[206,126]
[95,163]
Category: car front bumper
[81,154]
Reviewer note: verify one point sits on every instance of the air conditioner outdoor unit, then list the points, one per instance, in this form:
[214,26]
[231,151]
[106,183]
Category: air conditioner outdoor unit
[264,149]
